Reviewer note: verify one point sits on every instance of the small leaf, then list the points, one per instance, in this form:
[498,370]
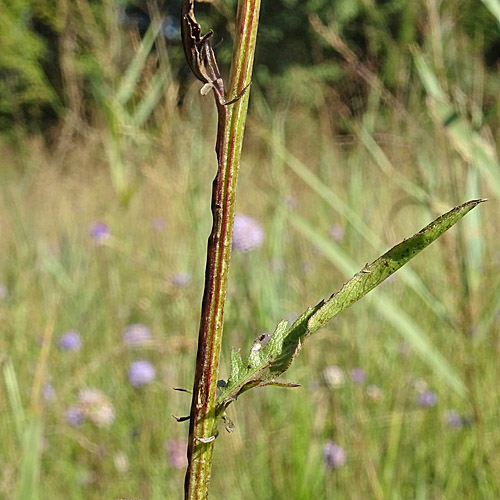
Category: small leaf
[266,362]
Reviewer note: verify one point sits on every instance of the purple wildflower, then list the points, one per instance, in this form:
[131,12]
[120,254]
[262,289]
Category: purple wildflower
[427,399]
[180,280]
[337,232]
[99,232]
[453,419]
[247,235]
[141,373]
[136,334]
[74,416]
[358,375]
[70,341]
[334,456]
[159,224]
[48,393]
[177,451]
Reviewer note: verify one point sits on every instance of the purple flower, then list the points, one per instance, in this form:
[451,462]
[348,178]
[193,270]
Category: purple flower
[3,291]
[99,232]
[358,375]
[247,235]
[427,399]
[48,392]
[180,280]
[337,232]
[453,419]
[159,224]
[136,334]
[70,341]
[141,373]
[334,456]
[74,416]
[177,451]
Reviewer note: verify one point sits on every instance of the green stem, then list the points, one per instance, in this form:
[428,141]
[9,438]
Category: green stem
[203,422]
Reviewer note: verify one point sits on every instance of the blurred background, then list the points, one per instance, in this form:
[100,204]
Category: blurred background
[367,119]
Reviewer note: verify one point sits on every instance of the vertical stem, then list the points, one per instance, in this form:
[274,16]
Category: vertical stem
[203,424]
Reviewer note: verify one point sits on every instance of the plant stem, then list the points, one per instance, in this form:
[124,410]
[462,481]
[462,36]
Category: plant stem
[203,424]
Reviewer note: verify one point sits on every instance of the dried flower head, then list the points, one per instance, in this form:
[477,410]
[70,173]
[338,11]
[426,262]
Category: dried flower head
[334,376]
[96,407]
[374,393]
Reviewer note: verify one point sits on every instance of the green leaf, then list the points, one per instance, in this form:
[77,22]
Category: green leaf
[268,361]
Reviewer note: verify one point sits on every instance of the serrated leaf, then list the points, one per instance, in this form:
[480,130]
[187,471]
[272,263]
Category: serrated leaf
[267,362]
[373,274]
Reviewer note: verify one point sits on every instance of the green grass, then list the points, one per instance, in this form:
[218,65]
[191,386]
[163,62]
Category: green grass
[382,174]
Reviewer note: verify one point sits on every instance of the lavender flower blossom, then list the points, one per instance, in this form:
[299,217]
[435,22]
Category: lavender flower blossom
[337,232]
[70,341]
[99,232]
[334,456]
[177,451]
[181,280]
[159,224]
[427,399]
[141,373]
[48,393]
[247,235]
[74,416]
[358,375]
[136,334]
[453,419]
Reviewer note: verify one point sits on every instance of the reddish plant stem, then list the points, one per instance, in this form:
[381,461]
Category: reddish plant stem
[231,122]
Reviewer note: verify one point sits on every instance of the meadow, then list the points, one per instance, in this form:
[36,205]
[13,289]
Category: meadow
[104,223]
